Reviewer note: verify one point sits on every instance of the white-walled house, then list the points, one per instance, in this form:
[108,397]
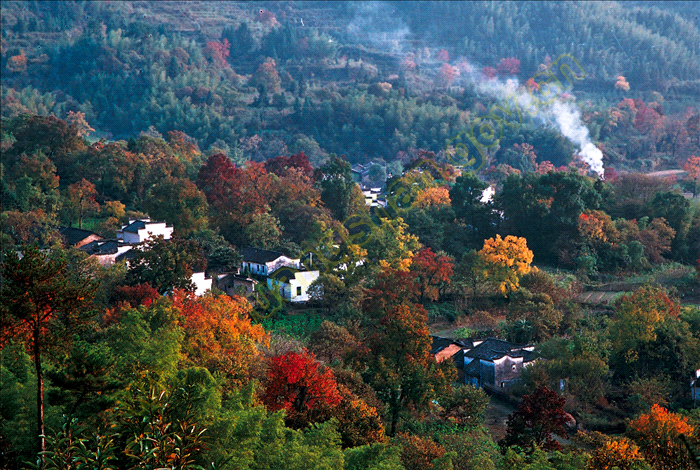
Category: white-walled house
[139,230]
[495,362]
[264,262]
[107,252]
[291,283]
[201,283]
[695,386]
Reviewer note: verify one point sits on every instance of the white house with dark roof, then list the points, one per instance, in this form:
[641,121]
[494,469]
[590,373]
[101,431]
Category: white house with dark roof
[264,262]
[496,363]
[292,283]
[695,386]
[139,230]
[107,252]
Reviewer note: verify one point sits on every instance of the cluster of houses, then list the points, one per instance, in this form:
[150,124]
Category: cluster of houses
[496,365]
[286,275]
[489,363]
[108,251]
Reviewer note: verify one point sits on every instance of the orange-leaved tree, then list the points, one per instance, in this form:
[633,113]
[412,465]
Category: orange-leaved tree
[622,454]
[399,365]
[429,197]
[81,200]
[219,334]
[506,260]
[658,433]
[692,168]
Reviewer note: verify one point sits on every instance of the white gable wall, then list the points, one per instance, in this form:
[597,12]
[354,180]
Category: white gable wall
[201,285]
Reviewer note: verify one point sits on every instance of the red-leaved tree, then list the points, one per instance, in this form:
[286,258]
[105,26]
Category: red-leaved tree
[297,383]
[280,165]
[431,273]
[218,52]
[508,66]
[539,416]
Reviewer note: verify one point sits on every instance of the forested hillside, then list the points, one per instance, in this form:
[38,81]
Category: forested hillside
[369,80]
[390,236]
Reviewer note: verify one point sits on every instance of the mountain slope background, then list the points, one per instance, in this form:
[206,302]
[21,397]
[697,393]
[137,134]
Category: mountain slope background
[369,79]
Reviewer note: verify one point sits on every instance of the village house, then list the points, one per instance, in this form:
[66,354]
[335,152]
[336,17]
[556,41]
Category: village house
[201,283]
[136,232]
[261,262]
[360,172]
[236,284]
[496,363]
[489,362]
[292,283]
[139,230]
[77,237]
[107,251]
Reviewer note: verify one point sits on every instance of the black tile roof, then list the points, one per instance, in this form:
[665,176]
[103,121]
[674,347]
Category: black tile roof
[259,256]
[74,236]
[135,226]
[439,344]
[492,349]
[101,247]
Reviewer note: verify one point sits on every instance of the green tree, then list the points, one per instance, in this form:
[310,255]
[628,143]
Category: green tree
[675,209]
[339,192]
[178,201]
[43,299]
[648,339]
[166,264]
[478,216]
[555,200]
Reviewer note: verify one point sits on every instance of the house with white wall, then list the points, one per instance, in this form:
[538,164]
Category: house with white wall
[291,283]
[201,283]
[139,230]
[264,262]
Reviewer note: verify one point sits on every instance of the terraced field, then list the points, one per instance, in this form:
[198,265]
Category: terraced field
[599,297]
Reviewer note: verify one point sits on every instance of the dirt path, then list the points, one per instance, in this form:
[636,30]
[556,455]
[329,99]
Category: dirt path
[666,173]
[496,417]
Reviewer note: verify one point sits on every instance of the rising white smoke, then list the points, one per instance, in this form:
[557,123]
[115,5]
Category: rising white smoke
[563,113]
[568,120]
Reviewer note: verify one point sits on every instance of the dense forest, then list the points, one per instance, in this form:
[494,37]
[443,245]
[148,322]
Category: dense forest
[369,80]
[537,166]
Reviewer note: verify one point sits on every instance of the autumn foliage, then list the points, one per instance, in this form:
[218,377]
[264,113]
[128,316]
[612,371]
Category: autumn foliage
[419,453]
[431,273]
[218,52]
[539,416]
[430,197]
[508,66]
[622,454]
[658,434]
[622,84]
[219,334]
[297,383]
[506,260]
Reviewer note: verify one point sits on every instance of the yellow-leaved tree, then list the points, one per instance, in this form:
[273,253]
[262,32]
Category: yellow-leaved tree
[505,261]
[622,454]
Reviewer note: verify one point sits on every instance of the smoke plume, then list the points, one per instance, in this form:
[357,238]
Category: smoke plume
[568,120]
[562,113]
